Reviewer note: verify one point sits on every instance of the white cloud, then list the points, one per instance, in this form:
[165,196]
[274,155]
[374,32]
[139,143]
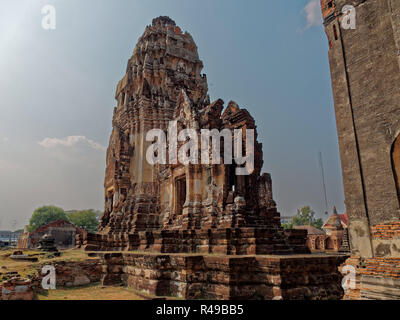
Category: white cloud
[313,13]
[6,139]
[71,141]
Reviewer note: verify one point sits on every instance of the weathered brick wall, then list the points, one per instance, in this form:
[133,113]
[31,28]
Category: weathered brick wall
[74,273]
[386,239]
[24,241]
[386,231]
[297,240]
[383,267]
[376,278]
[226,277]
[68,274]
[17,289]
[235,241]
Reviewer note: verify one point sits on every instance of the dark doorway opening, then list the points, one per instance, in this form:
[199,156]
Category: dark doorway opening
[180,194]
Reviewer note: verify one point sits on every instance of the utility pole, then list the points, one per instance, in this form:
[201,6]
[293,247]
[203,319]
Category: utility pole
[323,180]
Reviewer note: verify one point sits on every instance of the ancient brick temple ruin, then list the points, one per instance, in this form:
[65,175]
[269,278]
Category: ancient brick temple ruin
[228,222]
[62,231]
[365,73]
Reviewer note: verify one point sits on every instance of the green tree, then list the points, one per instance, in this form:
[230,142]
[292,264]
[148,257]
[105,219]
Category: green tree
[304,217]
[287,225]
[45,215]
[87,219]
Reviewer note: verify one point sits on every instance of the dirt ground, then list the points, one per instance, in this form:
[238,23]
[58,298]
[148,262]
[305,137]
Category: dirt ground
[26,268]
[90,292]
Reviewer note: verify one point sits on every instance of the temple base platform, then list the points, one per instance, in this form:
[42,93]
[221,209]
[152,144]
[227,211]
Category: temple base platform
[226,277]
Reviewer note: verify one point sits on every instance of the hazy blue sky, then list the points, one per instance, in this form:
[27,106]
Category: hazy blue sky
[57,93]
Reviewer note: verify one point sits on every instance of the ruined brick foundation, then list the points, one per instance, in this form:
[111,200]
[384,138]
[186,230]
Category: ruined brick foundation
[302,277]
[68,274]
[240,241]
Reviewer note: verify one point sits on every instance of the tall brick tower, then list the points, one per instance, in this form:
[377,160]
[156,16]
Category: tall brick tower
[365,74]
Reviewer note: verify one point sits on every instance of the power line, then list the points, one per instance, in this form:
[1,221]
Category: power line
[323,181]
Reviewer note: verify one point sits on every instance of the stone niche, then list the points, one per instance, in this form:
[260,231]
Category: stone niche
[175,208]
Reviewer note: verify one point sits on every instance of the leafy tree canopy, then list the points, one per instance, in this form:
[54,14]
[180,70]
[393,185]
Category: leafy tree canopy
[304,217]
[45,215]
[87,219]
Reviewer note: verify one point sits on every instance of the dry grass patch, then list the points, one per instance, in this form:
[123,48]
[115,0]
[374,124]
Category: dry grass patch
[26,268]
[90,292]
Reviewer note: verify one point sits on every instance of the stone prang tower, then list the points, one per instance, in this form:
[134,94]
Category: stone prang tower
[163,83]
[195,229]
[365,74]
